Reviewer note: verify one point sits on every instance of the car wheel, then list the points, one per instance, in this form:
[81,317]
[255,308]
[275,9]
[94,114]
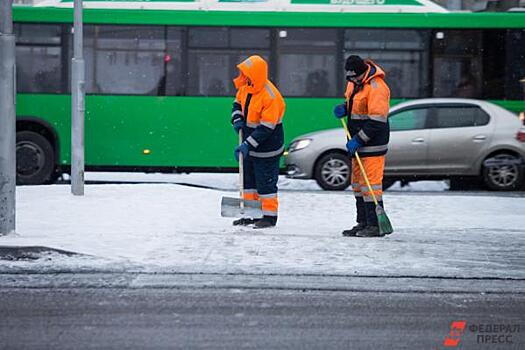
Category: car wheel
[505,176]
[333,172]
[35,159]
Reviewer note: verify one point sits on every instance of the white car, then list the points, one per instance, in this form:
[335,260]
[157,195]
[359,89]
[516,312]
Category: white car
[440,138]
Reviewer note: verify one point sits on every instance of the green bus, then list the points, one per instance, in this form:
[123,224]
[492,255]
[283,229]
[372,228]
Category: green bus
[159,81]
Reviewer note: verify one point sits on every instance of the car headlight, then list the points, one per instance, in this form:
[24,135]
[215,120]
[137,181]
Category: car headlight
[299,144]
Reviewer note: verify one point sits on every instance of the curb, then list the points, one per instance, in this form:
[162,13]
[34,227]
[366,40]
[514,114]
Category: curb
[274,282]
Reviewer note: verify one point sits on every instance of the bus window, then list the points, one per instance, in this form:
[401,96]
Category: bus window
[307,62]
[493,61]
[402,53]
[515,64]
[44,34]
[208,37]
[213,55]
[457,67]
[209,74]
[174,62]
[124,59]
[257,38]
[39,58]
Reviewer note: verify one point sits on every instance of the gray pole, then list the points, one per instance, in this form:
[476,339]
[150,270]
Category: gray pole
[7,120]
[77,106]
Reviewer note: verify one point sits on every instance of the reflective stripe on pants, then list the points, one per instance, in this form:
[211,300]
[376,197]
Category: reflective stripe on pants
[356,187]
[251,194]
[270,204]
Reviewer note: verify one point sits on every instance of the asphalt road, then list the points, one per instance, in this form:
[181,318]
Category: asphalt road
[237,318]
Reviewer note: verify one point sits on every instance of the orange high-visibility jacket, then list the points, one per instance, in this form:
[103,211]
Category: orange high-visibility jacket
[261,106]
[368,104]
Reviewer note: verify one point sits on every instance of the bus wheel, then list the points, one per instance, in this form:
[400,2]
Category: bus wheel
[35,159]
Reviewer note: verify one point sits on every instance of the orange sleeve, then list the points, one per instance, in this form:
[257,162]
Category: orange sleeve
[272,113]
[271,116]
[273,110]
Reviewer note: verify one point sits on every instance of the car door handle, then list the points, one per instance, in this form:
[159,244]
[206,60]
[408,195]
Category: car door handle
[479,138]
[418,140]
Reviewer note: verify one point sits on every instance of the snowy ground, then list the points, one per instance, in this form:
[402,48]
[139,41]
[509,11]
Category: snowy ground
[174,228]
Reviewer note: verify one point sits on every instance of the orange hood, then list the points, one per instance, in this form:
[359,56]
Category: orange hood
[373,71]
[255,68]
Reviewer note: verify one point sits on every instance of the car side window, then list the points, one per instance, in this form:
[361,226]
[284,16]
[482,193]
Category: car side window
[408,119]
[459,117]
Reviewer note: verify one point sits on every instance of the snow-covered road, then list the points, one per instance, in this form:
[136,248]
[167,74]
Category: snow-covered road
[173,228]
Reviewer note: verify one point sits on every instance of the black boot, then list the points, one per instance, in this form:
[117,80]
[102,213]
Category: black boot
[353,231]
[369,231]
[361,218]
[372,228]
[266,221]
[244,222]
[371,216]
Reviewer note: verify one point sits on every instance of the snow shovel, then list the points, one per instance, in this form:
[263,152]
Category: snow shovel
[239,207]
[385,227]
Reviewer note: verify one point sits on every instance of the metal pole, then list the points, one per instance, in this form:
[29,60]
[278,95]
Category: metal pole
[7,120]
[77,105]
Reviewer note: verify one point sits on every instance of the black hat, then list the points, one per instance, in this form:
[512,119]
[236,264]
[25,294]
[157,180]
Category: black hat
[355,66]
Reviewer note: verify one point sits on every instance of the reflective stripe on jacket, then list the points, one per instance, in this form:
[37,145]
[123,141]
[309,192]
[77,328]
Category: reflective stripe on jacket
[262,108]
[368,119]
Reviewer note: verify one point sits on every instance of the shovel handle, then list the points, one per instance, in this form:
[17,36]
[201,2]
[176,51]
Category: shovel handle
[241,174]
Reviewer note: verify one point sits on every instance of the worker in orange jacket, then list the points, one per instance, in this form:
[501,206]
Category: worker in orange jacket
[367,104]
[258,110]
